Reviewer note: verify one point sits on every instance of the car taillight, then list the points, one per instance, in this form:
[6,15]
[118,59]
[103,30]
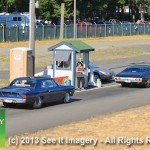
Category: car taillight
[23,96]
[138,79]
[116,78]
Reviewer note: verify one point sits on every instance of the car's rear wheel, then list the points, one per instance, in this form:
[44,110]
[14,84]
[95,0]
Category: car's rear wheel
[66,98]
[37,103]
[9,105]
[147,84]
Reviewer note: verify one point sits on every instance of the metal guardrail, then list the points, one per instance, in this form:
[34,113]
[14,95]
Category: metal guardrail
[15,34]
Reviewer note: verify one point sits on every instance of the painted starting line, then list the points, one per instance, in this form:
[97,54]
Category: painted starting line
[96,88]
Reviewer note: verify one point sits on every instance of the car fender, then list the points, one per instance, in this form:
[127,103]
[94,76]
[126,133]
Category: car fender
[97,72]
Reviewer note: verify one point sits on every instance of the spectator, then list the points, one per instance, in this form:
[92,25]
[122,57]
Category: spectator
[80,75]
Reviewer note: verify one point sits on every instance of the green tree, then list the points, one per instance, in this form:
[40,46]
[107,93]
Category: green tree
[14,5]
[90,8]
[50,9]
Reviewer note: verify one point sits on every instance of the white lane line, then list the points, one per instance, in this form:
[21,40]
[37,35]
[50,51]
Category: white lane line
[110,86]
[96,88]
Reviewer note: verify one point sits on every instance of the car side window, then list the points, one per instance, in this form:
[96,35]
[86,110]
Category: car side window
[55,85]
[48,84]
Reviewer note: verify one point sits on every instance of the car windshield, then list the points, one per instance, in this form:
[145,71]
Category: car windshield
[23,83]
[92,65]
[135,70]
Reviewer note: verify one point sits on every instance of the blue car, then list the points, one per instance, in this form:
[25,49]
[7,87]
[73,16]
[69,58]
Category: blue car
[134,75]
[34,91]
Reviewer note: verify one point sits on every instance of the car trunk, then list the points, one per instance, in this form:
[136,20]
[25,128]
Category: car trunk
[12,93]
[131,74]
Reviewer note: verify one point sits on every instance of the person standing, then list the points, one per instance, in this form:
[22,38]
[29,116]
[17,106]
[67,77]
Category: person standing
[80,75]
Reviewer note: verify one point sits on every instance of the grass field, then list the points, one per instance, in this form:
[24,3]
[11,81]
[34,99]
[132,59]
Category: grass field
[130,124]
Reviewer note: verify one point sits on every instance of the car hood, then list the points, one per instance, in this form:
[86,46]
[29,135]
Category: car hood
[104,70]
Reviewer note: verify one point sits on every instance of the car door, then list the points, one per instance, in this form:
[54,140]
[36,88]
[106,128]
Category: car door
[47,91]
[56,91]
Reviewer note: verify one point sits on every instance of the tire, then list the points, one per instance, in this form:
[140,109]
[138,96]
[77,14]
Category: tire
[66,98]
[147,84]
[97,80]
[9,105]
[96,76]
[37,103]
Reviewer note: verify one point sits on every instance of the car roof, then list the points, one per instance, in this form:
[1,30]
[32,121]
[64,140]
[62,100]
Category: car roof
[141,66]
[34,78]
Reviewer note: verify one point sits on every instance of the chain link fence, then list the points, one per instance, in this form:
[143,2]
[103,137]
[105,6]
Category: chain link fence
[15,34]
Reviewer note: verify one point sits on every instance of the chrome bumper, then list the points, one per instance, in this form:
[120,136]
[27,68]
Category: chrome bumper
[128,80]
[12,100]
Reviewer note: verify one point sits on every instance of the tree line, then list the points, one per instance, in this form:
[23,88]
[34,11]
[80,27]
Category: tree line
[86,9]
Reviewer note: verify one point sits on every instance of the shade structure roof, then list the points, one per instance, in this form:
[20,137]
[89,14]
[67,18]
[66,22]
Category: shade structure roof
[76,45]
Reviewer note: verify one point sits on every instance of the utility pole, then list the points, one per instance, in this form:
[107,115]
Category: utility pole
[75,12]
[32,31]
[62,22]
[142,10]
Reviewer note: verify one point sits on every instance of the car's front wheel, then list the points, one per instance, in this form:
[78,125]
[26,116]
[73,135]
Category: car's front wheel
[97,80]
[37,103]
[67,98]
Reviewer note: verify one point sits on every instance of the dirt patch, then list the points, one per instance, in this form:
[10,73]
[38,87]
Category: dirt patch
[26,43]
[132,125]
[48,42]
[116,53]
[4,82]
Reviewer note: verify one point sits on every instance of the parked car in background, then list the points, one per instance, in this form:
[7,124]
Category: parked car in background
[134,75]
[84,23]
[40,23]
[126,22]
[115,21]
[34,91]
[100,21]
[68,22]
